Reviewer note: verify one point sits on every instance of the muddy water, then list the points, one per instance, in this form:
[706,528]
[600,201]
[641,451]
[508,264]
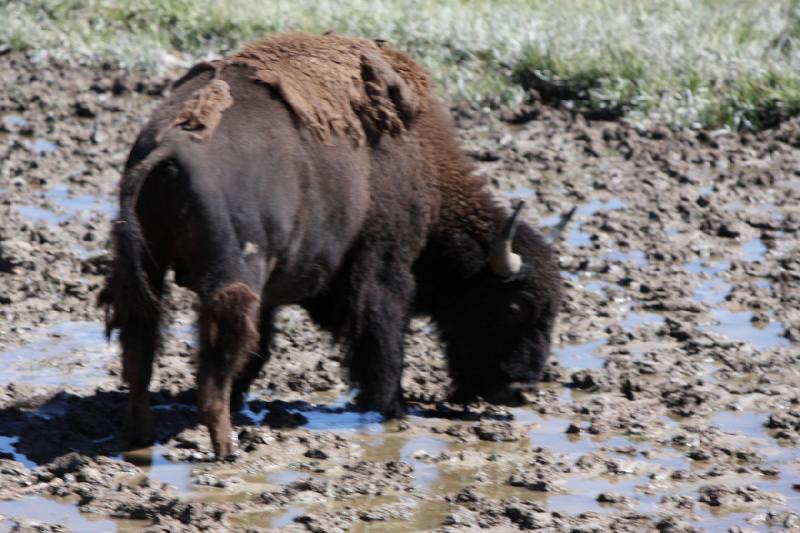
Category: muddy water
[76,354]
[46,510]
[67,354]
[57,205]
[670,402]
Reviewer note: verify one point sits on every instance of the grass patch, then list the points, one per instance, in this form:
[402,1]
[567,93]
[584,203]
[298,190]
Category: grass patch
[698,63]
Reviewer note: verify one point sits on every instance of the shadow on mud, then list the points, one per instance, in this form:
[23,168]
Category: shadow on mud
[90,425]
[93,425]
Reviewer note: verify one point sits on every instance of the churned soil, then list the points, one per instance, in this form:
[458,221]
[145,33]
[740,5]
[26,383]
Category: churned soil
[671,401]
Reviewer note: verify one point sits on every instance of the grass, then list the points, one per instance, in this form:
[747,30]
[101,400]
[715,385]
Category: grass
[698,63]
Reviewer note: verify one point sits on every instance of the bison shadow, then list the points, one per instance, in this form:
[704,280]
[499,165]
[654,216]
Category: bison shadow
[90,425]
[93,425]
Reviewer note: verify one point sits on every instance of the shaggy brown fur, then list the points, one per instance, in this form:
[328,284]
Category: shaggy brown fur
[338,85]
[203,111]
[229,336]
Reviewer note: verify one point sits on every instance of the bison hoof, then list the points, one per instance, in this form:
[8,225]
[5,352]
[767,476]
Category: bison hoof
[224,451]
[389,408]
[139,428]
[223,440]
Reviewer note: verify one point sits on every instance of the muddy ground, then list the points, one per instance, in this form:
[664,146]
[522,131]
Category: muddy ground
[671,402]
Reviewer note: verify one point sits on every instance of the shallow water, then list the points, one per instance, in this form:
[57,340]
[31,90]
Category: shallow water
[742,422]
[420,450]
[577,238]
[284,477]
[634,319]
[597,286]
[287,517]
[380,442]
[635,257]
[712,291]
[425,474]
[8,445]
[583,495]
[737,326]
[580,356]
[36,508]
[520,193]
[160,469]
[753,250]
[712,267]
[65,206]
[69,353]
[14,120]
[43,146]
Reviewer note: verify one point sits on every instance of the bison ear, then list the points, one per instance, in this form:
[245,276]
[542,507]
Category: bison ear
[504,262]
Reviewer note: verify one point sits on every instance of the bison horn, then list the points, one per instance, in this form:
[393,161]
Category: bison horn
[502,260]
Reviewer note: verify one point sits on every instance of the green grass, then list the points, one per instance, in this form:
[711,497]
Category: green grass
[706,63]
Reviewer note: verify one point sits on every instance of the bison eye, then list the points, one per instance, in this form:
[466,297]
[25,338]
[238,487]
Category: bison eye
[520,308]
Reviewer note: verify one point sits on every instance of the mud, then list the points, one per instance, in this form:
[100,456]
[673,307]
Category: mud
[671,402]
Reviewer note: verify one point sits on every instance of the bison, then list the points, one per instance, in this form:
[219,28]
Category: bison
[321,170]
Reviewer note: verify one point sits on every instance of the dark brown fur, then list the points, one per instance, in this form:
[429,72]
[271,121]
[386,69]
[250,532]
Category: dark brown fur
[333,181]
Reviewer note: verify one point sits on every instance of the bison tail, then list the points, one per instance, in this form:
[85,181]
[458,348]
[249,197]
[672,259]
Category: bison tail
[129,294]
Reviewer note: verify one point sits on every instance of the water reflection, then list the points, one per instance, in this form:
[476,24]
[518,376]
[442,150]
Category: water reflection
[158,468]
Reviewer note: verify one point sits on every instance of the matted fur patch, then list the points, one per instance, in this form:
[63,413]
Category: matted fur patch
[203,111]
[339,85]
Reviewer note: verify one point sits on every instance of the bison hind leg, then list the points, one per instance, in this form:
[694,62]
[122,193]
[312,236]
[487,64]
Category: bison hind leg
[229,337]
[137,320]
[255,362]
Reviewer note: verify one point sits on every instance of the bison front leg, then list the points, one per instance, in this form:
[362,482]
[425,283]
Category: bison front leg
[228,338]
[376,345]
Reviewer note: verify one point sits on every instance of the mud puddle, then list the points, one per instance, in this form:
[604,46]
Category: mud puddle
[160,469]
[8,448]
[31,511]
[581,355]
[714,290]
[576,237]
[67,354]
[58,204]
[740,326]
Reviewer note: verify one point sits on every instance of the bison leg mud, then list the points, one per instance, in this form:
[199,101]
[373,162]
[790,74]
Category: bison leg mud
[228,338]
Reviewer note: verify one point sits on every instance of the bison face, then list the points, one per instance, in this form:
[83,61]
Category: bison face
[498,324]
[498,337]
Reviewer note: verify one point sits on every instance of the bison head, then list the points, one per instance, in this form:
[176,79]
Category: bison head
[498,325]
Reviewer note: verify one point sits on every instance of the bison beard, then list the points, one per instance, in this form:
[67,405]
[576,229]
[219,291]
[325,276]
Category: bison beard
[321,171]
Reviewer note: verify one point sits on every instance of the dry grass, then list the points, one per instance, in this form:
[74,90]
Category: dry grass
[682,62]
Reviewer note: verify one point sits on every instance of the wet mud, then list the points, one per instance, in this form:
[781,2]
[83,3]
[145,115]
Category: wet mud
[671,402]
